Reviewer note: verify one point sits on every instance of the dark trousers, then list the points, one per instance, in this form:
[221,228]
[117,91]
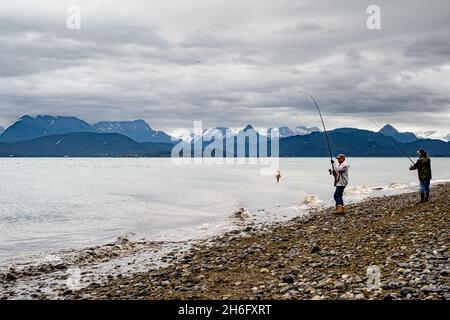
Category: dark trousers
[338,195]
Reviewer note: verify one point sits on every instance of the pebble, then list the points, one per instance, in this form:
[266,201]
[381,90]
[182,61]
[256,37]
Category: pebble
[315,248]
[347,296]
[288,278]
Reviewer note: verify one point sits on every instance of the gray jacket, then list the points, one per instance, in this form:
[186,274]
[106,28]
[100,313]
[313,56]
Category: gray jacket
[342,171]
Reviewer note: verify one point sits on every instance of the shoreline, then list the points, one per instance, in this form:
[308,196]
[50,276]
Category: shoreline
[307,257]
[319,256]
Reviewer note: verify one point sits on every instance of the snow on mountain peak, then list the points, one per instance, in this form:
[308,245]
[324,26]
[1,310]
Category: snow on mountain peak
[433,134]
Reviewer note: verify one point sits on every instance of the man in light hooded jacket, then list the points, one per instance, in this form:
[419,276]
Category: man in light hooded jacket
[340,181]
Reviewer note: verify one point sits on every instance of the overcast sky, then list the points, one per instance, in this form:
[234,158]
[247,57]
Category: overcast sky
[228,62]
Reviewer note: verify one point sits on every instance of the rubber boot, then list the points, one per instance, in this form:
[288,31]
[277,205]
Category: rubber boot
[422,197]
[427,195]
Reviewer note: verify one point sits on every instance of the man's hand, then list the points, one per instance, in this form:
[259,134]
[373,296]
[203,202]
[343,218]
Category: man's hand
[411,168]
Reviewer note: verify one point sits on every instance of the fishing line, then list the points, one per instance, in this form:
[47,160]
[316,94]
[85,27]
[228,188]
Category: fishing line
[323,124]
[395,141]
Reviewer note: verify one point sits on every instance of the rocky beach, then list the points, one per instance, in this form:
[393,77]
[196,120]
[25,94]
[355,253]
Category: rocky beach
[318,256]
[321,256]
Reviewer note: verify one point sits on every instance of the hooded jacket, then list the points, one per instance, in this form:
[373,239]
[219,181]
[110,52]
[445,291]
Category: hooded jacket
[342,171]
[423,166]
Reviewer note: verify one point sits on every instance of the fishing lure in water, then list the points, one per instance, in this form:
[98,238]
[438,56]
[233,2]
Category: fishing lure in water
[278,175]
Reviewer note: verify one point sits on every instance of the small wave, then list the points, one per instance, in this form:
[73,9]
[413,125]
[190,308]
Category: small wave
[358,190]
[312,200]
[395,185]
[440,181]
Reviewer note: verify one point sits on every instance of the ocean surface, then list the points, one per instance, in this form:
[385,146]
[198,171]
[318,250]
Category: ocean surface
[47,205]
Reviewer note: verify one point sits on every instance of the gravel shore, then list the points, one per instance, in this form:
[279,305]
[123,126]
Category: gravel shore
[321,256]
[318,256]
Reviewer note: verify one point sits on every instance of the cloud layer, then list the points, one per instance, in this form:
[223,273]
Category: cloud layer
[228,62]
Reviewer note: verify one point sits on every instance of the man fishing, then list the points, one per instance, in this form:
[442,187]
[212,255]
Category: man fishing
[340,170]
[423,167]
[340,174]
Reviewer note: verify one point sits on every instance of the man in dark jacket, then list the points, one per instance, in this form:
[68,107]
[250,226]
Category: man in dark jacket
[423,167]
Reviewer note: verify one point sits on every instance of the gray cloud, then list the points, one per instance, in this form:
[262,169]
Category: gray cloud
[303,27]
[228,62]
[429,49]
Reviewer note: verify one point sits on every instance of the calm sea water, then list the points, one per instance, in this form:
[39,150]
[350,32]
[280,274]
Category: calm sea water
[51,204]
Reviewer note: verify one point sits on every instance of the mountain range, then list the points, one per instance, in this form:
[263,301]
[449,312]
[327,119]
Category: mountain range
[138,130]
[359,143]
[84,144]
[60,136]
[283,132]
[28,128]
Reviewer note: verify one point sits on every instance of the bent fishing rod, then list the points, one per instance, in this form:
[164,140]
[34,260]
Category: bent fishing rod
[323,124]
[395,141]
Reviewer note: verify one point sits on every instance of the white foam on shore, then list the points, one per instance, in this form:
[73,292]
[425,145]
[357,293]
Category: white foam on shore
[358,190]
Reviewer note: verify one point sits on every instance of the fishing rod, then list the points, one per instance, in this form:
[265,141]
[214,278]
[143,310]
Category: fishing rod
[323,124]
[395,141]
